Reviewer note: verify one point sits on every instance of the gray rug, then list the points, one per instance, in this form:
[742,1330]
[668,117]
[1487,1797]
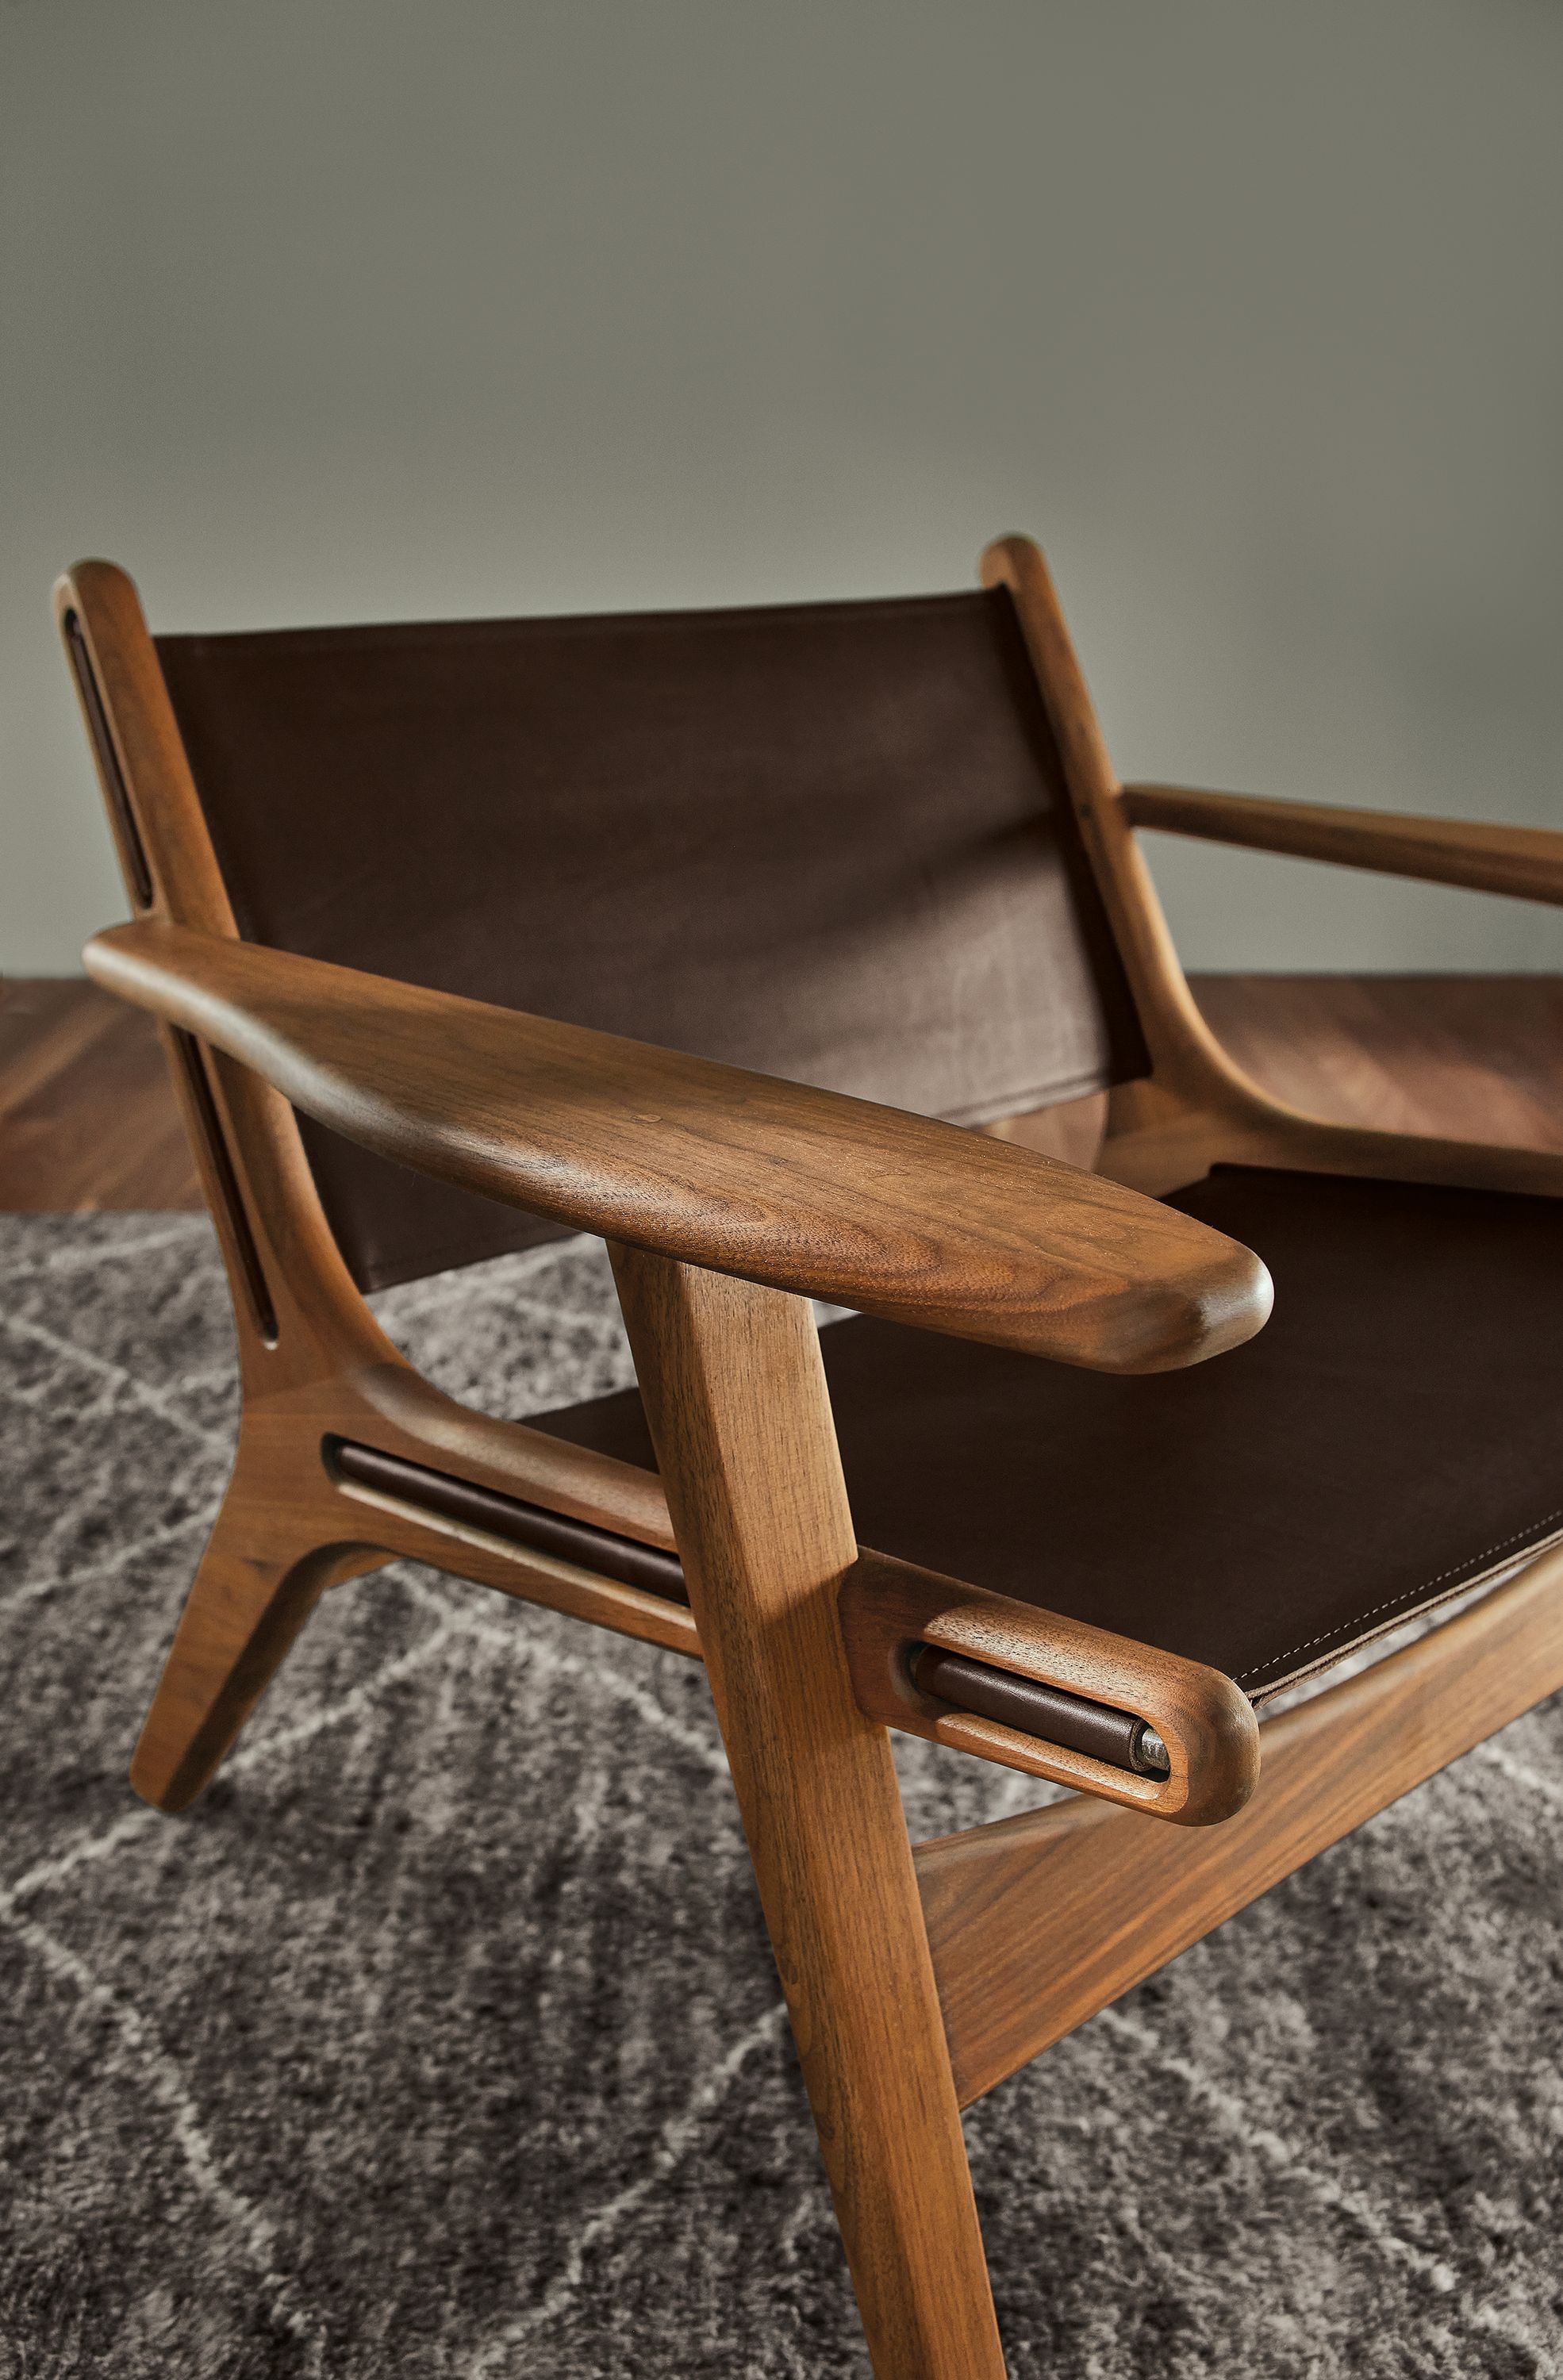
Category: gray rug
[443,2038]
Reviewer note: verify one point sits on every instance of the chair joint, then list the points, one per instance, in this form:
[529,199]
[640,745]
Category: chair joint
[1039,1691]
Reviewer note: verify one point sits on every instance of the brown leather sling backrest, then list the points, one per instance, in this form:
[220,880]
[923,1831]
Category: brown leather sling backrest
[829,840]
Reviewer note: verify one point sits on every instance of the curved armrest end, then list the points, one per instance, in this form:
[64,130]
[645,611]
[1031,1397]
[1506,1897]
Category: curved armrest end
[804,1190]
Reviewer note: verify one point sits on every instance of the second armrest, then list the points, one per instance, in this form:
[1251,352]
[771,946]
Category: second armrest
[802,1189]
[1524,861]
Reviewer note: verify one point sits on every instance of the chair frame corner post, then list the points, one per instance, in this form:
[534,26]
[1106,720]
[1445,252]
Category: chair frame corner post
[278,1539]
[314,1364]
[735,1394]
[1166,1128]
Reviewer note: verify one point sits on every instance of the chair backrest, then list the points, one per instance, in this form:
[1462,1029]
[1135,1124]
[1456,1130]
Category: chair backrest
[831,841]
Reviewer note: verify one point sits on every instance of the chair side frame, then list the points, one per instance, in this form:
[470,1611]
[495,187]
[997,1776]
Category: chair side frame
[314,1364]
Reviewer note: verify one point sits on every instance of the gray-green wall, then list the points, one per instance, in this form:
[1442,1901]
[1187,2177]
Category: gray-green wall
[1253,312]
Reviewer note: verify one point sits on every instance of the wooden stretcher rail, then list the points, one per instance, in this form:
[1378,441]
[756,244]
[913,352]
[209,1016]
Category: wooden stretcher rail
[530,1525]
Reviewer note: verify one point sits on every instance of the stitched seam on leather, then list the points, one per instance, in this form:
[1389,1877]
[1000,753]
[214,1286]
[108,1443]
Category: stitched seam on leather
[1345,1626]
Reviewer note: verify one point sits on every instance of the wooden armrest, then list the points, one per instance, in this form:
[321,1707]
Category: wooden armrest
[1524,861]
[804,1190]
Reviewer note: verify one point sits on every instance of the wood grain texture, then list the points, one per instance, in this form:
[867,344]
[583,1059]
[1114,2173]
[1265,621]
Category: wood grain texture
[313,1363]
[288,1529]
[736,1399]
[1524,862]
[1457,1056]
[256,1584]
[147,774]
[88,1118]
[1197,1107]
[1037,1922]
[1207,1724]
[801,1189]
[316,1367]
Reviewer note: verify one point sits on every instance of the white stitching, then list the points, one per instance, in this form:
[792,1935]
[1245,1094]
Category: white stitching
[1412,1592]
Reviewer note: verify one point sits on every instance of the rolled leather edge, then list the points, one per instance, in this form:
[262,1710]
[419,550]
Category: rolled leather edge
[623,1560]
[1096,1729]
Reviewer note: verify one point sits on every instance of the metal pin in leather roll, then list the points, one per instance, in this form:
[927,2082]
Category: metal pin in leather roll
[1116,1737]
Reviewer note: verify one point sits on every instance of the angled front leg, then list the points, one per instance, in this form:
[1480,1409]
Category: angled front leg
[735,1394]
[265,1567]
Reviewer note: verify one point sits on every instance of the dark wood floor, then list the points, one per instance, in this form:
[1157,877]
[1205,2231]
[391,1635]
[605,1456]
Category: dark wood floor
[87,1112]
[88,1121]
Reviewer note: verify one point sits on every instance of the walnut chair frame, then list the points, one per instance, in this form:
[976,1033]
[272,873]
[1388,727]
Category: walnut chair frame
[916,1978]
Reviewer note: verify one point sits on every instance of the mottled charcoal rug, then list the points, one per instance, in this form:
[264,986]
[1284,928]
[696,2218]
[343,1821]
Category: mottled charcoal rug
[443,2038]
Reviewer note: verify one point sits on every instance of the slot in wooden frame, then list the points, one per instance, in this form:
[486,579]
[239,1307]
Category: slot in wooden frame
[1205,1722]
[1036,1922]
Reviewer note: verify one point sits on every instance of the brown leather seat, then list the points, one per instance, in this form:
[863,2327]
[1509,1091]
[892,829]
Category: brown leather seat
[1390,1437]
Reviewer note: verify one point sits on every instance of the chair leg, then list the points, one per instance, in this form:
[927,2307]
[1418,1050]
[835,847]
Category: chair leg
[736,1397]
[259,1578]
